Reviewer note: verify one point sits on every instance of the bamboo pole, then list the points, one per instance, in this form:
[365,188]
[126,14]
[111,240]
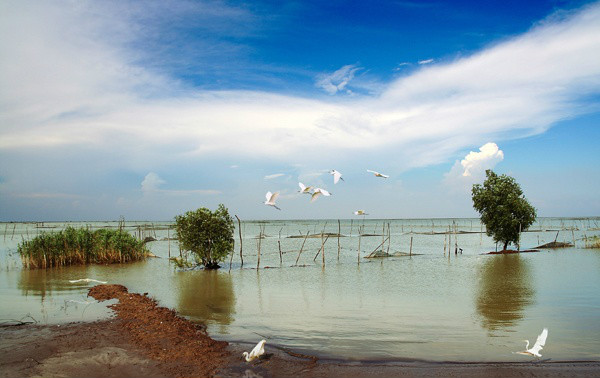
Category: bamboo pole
[169,240]
[376,248]
[383,237]
[359,236]
[259,244]
[322,248]
[389,239]
[410,251]
[240,231]
[302,247]
[445,237]
[338,238]
[280,255]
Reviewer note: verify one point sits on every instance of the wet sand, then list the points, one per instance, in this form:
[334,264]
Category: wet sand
[144,339]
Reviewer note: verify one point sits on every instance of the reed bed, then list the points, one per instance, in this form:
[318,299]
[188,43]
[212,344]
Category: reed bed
[81,246]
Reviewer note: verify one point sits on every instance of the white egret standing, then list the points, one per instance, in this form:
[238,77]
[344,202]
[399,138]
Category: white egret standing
[337,176]
[304,189]
[539,343]
[377,174]
[258,351]
[318,192]
[271,197]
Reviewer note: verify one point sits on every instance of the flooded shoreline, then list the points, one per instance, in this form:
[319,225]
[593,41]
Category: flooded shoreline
[433,305]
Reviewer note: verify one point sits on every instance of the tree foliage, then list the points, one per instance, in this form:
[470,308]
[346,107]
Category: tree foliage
[208,235]
[503,207]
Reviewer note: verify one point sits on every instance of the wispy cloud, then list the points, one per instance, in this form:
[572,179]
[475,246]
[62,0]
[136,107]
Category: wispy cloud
[426,61]
[338,80]
[275,175]
[152,181]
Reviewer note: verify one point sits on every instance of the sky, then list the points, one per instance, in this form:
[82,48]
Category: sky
[146,110]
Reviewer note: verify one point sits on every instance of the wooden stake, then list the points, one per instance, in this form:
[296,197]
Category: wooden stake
[280,256]
[240,231]
[338,238]
[259,244]
[322,248]
[301,248]
[359,236]
[169,240]
[410,251]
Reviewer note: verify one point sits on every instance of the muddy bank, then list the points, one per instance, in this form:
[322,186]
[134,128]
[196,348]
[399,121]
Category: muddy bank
[144,339]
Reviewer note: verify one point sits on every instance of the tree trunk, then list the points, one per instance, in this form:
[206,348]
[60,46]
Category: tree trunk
[505,246]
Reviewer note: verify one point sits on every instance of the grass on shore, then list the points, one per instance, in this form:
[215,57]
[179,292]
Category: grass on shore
[81,246]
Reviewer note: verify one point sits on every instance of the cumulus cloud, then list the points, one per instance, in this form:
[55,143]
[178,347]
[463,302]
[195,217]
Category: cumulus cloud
[151,182]
[338,80]
[475,162]
[472,168]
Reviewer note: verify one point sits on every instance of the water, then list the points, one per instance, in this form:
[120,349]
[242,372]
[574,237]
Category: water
[431,305]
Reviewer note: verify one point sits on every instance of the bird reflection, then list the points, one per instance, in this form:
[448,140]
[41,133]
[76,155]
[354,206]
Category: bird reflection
[505,290]
[206,295]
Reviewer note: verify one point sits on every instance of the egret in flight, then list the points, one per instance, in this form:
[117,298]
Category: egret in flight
[318,192]
[377,174]
[337,176]
[87,280]
[539,343]
[304,189]
[360,212]
[258,351]
[271,197]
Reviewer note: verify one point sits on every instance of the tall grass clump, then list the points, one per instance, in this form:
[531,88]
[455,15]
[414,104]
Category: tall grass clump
[81,246]
[593,242]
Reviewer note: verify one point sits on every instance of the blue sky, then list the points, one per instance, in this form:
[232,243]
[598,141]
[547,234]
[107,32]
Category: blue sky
[149,109]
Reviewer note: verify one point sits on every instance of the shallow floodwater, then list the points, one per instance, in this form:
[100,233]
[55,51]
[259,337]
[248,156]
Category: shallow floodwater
[433,305]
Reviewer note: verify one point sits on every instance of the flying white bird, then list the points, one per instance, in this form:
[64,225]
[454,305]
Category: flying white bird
[337,176]
[304,189]
[317,192]
[87,280]
[377,174]
[258,351]
[271,197]
[539,343]
[360,212]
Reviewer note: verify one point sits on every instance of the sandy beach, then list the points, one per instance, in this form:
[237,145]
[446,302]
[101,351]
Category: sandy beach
[144,339]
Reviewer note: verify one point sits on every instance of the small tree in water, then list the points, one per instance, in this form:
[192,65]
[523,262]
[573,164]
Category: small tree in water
[208,235]
[503,208]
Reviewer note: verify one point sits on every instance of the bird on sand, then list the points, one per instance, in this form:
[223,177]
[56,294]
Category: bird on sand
[271,197]
[539,343]
[304,189]
[258,351]
[337,176]
[360,212]
[317,193]
[377,174]
[87,280]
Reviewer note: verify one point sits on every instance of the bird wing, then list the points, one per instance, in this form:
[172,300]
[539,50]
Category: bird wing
[324,192]
[384,176]
[540,342]
[315,195]
[302,187]
[373,172]
[268,196]
[259,349]
[336,176]
[274,197]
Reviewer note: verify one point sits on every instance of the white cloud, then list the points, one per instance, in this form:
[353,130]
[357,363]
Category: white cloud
[471,169]
[338,80]
[73,86]
[151,182]
[426,61]
[477,162]
[275,175]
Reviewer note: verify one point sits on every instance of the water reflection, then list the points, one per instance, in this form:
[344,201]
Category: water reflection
[207,296]
[505,290]
[44,282]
